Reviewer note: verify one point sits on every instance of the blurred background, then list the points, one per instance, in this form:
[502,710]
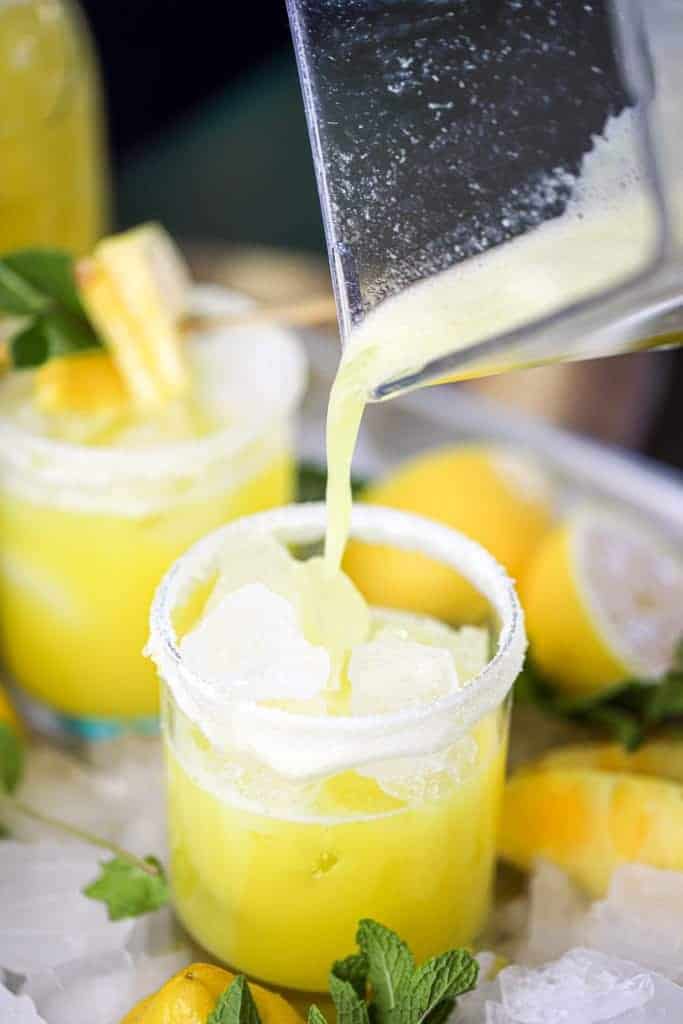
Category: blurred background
[204,130]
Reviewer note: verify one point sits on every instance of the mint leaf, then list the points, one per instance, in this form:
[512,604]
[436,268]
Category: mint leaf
[17,296]
[390,965]
[11,758]
[51,272]
[235,1006]
[441,1012]
[351,1009]
[40,285]
[129,888]
[440,979]
[627,711]
[29,347]
[315,1016]
[353,969]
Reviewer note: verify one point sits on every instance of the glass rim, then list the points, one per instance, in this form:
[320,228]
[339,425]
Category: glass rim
[304,523]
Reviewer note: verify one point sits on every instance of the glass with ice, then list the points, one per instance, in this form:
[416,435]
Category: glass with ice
[328,761]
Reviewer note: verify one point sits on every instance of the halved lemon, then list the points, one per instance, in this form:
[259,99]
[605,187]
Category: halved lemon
[603,599]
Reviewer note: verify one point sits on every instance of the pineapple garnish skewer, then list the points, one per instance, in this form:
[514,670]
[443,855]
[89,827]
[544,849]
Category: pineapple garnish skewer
[134,288]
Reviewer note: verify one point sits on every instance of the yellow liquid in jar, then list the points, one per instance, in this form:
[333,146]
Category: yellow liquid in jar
[280,897]
[53,180]
[76,589]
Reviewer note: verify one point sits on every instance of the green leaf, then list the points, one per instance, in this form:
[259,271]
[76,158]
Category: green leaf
[390,965]
[441,978]
[235,1006]
[353,969]
[41,284]
[315,1016]
[627,711]
[11,758]
[29,347]
[17,296]
[621,725]
[351,1009]
[50,272]
[66,333]
[441,1012]
[128,889]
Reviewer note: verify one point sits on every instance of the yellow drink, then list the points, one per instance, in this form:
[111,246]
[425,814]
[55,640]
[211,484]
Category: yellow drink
[87,529]
[281,897]
[53,187]
[75,591]
[292,819]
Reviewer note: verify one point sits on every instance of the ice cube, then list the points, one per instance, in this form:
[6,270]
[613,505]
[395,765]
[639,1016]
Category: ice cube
[250,646]
[640,919]
[469,645]
[255,558]
[46,919]
[588,987]
[391,672]
[18,1009]
[556,909]
[88,990]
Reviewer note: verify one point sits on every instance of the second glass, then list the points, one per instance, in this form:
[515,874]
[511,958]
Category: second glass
[87,531]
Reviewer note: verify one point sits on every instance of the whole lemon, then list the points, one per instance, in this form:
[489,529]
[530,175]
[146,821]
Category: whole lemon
[191,994]
[498,496]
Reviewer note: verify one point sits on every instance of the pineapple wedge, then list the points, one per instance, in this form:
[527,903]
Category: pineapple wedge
[134,288]
[85,382]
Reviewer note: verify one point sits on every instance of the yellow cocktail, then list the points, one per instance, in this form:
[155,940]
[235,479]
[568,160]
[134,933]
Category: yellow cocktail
[94,510]
[294,816]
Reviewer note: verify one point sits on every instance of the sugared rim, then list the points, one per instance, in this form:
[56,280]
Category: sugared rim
[20,446]
[300,524]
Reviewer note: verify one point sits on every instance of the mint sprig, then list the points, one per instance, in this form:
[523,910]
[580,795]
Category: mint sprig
[235,1005]
[130,886]
[401,993]
[353,969]
[390,966]
[628,712]
[39,287]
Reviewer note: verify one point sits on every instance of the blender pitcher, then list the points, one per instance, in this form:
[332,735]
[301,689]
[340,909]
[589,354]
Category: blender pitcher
[521,159]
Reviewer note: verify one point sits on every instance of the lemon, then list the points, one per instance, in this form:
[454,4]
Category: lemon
[588,822]
[83,382]
[497,496]
[603,601]
[190,996]
[662,757]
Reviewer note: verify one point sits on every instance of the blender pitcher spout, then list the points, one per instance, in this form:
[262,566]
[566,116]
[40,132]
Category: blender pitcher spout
[510,172]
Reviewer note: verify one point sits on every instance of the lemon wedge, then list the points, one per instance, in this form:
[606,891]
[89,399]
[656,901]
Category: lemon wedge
[134,288]
[602,599]
[85,382]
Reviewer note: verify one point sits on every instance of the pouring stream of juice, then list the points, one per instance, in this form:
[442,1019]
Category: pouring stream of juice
[500,186]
